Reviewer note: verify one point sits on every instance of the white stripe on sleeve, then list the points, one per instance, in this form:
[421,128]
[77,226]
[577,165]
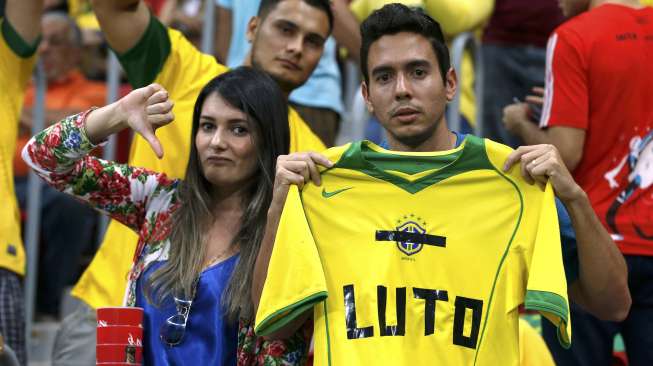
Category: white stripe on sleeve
[548,89]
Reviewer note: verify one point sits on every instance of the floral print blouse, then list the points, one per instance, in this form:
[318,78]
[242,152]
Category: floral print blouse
[144,201]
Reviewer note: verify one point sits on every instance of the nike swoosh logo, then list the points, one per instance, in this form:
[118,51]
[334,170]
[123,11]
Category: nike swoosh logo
[326,194]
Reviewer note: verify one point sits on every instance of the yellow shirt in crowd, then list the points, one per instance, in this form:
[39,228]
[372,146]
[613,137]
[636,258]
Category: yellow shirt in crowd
[166,57]
[16,64]
[427,252]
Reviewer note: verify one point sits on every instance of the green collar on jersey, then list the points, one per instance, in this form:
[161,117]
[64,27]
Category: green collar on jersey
[380,163]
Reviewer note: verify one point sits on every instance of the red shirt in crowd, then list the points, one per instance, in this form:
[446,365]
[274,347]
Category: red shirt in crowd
[600,79]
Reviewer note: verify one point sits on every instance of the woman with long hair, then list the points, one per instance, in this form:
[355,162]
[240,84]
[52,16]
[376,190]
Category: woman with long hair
[198,237]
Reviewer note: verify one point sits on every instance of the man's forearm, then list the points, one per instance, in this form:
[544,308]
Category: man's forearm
[25,17]
[123,22]
[532,134]
[345,29]
[602,285]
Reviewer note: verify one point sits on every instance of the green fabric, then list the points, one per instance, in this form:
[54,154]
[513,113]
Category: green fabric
[360,157]
[16,42]
[144,61]
[551,303]
[270,325]
[408,164]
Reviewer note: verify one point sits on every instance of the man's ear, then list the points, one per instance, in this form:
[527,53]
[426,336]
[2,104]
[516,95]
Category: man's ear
[451,84]
[252,27]
[366,97]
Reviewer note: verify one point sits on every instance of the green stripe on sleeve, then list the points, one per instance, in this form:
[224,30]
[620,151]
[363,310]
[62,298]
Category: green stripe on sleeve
[16,42]
[544,301]
[282,317]
[144,61]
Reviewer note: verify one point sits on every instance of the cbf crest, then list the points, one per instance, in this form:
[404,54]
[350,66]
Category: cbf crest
[410,245]
[410,235]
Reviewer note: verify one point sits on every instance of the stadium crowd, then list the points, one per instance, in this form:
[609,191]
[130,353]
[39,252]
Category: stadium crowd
[252,227]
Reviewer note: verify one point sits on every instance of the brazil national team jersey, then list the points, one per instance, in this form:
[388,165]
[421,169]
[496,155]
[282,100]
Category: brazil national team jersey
[417,258]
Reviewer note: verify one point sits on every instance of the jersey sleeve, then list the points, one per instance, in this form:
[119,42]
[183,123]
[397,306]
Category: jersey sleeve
[295,280]
[16,59]
[143,62]
[566,89]
[546,288]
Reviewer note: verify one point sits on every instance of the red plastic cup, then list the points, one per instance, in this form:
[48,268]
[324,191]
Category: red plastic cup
[118,353]
[130,316]
[120,334]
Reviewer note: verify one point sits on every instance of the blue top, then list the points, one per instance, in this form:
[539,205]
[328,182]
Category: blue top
[567,232]
[209,338]
[321,90]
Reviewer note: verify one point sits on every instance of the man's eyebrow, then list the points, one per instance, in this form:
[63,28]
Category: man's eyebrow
[416,63]
[381,69]
[286,23]
[290,24]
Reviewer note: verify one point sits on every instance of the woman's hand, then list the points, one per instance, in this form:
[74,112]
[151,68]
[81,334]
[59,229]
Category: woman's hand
[143,110]
[297,168]
[146,109]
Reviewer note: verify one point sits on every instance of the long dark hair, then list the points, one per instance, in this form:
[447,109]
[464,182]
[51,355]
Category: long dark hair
[259,97]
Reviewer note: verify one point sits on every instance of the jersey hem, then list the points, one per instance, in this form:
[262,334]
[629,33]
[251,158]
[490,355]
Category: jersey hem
[287,314]
[16,43]
[544,301]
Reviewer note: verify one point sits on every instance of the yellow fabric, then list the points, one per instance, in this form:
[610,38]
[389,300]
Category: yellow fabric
[15,72]
[83,14]
[455,17]
[502,249]
[363,8]
[184,73]
[532,349]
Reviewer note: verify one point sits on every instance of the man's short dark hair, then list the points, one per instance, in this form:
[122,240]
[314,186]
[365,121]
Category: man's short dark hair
[325,5]
[396,18]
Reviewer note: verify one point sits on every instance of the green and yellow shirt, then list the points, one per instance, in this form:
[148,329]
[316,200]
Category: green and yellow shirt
[417,258]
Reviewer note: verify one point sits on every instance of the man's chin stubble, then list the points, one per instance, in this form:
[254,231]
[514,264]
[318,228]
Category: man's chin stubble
[285,85]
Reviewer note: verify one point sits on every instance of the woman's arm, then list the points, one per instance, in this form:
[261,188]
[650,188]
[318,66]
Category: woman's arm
[296,168]
[60,155]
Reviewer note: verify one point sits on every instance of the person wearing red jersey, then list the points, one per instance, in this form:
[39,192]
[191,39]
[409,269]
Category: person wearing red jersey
[598,112]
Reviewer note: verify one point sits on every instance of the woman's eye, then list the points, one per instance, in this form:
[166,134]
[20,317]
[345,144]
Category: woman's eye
[240,130]
[206,126]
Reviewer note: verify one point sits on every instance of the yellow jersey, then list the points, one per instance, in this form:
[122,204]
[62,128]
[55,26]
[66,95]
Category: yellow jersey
[16,64]
[166,57]
[417,258]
